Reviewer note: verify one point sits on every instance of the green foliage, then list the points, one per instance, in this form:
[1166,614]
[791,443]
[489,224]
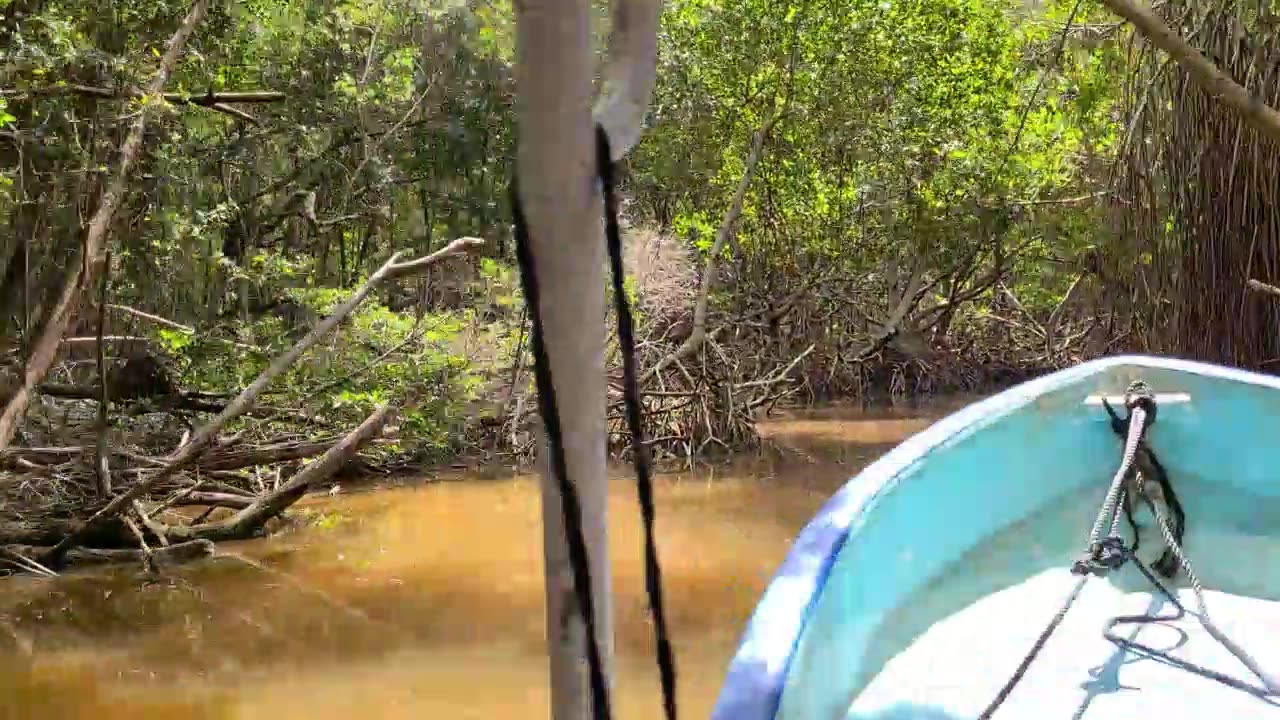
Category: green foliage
[901,122]
[910,129]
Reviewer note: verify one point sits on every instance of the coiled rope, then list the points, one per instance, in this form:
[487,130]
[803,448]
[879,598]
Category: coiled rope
[1271,686]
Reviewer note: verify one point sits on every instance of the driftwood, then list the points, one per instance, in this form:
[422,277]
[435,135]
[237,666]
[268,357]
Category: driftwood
[256,481]
[250,520]
[82,557]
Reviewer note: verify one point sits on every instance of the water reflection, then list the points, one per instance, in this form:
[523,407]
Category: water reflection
[422,600]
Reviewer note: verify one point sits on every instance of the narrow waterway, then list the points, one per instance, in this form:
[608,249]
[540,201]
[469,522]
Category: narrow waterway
[425,600]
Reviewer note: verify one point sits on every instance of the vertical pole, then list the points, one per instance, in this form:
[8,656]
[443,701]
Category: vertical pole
[561,202]
[560,196]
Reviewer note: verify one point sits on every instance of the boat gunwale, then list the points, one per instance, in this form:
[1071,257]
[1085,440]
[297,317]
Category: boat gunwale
[757,674]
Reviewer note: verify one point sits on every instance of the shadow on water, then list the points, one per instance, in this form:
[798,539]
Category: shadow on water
[422,600]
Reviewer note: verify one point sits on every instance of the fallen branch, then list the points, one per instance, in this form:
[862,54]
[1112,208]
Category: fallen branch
[1213,81]
[249,520]
[215,499]
[1259,286]
[46,347]
[172,555]
[280,452]
[206,434]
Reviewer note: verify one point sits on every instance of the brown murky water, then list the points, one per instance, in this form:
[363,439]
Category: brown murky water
[423,601]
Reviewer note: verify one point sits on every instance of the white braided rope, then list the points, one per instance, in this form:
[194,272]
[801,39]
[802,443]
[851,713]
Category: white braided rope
[1137,421]
[1272,683]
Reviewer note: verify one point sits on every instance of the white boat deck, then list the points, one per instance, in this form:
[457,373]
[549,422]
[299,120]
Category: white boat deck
[955,668]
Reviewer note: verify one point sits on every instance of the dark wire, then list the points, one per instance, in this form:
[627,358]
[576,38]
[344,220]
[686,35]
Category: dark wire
[571,508]
[639,450]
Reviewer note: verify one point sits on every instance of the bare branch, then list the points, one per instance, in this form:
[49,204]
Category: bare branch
[252,517]
[728,226]
[92,340]
[1258,286]
[151,318]
[1213,81]
[205,435]
[457,247]
[202,99]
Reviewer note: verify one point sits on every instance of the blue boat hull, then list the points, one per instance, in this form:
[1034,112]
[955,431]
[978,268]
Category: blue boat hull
[805,655]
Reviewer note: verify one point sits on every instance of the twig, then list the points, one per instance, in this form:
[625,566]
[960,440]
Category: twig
[458,247]
[169,324]
[778,377]
[21,560]
[211,100]
[202,99]
[178,553]
[104,339]
[142,544]
[145,518]
[152,318]
[46,347]
[414,334]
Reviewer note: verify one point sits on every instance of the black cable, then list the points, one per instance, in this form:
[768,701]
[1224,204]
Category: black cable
[1035,650]
[639,451]
[571,509]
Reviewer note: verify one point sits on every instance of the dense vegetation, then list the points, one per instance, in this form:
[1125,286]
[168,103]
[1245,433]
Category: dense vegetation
[896,198]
